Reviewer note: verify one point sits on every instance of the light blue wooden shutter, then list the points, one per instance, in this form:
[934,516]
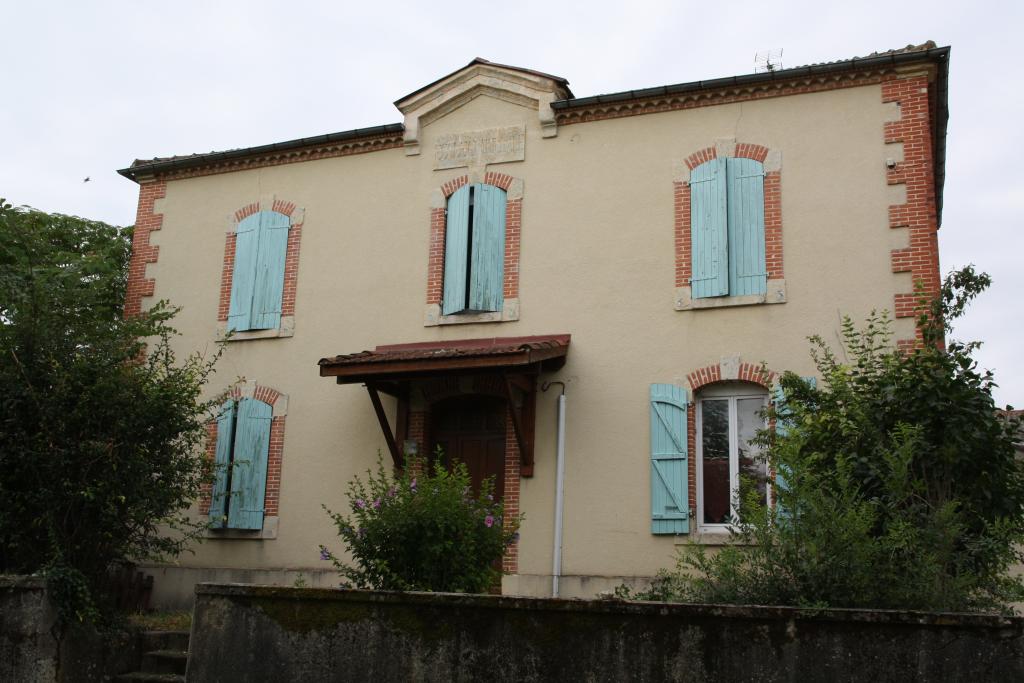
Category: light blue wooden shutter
[746,227]
[249,472]
[243,278]
[270,261]
[670,512]
[782,422]
[456,252]
[709,229]
[487,267]
[222,463]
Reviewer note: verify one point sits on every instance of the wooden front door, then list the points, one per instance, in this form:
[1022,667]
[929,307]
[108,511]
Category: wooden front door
[471,429]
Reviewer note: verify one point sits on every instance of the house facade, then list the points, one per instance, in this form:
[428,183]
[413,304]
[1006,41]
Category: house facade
[656,256]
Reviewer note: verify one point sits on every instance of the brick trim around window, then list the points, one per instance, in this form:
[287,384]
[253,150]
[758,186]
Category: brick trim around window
[772,160]
[435,259]
[272,498]
[297,217]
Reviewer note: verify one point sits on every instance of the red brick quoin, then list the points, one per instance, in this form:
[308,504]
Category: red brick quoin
[146,221]
[275,455]
[291,259]
[513,226]
[755,374]
[772,214]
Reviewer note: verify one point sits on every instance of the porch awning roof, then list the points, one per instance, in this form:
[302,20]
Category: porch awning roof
[420,359]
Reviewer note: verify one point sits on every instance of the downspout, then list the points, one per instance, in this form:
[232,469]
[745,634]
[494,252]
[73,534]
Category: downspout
[556,568]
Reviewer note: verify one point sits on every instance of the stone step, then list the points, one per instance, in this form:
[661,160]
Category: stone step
[165,662]
[140,677]
[164,640]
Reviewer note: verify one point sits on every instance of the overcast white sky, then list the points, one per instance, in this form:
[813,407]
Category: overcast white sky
[90,86]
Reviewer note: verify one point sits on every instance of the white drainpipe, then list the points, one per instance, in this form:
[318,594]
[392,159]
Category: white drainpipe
[556,571]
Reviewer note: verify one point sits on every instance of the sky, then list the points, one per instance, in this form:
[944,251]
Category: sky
[90,86]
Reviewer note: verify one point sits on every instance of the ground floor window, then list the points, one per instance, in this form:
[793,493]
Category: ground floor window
[728,418]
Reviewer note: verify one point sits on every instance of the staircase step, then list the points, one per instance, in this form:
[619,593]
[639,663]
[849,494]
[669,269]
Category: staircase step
[140,677]
[165,662]
[164,640]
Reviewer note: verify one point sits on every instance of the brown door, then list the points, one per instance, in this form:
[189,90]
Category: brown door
[471,429]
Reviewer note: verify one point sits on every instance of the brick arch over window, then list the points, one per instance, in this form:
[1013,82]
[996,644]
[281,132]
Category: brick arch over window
[279,404]
[706,376]
[296,217]
[772,161]
[435,260]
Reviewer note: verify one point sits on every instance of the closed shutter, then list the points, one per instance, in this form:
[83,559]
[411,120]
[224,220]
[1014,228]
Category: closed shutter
[709,229]
[746,227]
[670,512]
[222,463]
[243,277]
[487,267]
[456,252]
[249,472]
[270,262]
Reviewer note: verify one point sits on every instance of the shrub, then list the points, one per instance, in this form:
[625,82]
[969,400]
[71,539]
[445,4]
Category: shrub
[422,530]
[900,485]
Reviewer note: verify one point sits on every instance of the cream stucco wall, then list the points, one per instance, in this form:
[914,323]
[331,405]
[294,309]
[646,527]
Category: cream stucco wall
[597,261]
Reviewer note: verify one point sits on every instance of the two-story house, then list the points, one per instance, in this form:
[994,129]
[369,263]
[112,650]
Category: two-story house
[656,255]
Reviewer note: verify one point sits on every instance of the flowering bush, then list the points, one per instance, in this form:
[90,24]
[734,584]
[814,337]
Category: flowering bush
[422,530]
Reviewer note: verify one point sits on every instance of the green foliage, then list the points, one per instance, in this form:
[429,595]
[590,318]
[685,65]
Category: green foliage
[99,442]
[901,486]
[422,530]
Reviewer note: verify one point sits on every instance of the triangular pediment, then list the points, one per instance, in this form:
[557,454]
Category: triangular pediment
[481,78]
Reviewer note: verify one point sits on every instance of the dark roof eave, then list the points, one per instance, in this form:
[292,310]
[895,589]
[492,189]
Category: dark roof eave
[352,373]
[164,165]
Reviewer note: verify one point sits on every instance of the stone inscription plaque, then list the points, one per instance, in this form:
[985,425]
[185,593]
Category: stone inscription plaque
[478,147]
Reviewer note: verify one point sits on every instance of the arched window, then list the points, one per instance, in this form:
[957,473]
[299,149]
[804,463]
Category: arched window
[257,282]
[474,251]
[729,414]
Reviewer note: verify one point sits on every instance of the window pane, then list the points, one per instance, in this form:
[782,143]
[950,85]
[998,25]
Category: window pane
[752,465]
[715,460]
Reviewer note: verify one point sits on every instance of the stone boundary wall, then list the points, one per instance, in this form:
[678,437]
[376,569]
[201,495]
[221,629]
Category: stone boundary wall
[34,650]
[259,633]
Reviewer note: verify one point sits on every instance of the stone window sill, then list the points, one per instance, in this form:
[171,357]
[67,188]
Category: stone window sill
[287,329]
[776,294]
[509,312]
[268,532]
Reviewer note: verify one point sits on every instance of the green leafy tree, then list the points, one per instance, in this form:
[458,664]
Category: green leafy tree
[99,434]
[422,530]
[899,482]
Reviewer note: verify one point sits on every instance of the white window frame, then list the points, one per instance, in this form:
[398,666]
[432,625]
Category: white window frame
[732,393]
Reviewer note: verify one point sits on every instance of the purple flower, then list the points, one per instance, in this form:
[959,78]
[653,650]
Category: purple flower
[376,504]
[360,503]
[391,492]
[413,485]
[361,533]
[324,555]
[490,497]
[489,521]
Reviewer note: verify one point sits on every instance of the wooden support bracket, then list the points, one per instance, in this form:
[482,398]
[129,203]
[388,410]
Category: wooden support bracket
[523,419]
[378,408]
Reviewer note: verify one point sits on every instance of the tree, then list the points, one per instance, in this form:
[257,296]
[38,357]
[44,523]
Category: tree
[100,426]
[898,483]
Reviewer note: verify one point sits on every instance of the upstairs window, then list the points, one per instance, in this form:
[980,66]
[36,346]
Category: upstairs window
[727,228]
[257,284]
[474,251]
[243,447]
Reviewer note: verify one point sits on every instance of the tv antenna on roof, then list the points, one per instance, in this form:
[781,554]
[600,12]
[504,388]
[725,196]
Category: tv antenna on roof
[768,60]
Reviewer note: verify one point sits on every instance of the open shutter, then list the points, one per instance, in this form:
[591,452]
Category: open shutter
[747,273]
[487,267]
[243,277]
[270,259]
[670,511]
[249,472]
[709,229]
[456,252]
[782,423]
[222,463]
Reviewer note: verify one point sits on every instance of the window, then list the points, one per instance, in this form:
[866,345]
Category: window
[728,418]
[257,283]
[727,219]
[474,250]
[243,447]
